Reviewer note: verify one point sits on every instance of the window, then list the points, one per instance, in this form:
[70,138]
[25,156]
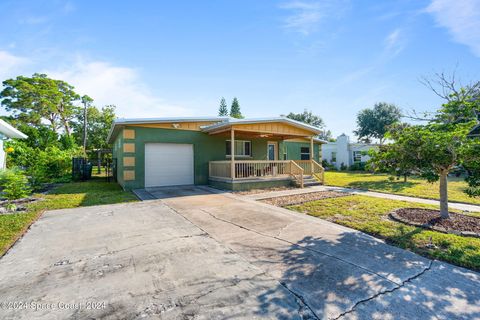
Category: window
[334,157]
[242,148]
[357,156]
[304,153]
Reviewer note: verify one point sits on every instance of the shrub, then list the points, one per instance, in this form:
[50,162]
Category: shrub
[327,165]
[48,165]
[358,166]
[14,184]
[343,167]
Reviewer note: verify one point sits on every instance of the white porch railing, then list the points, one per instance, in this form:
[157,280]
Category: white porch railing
[245,169]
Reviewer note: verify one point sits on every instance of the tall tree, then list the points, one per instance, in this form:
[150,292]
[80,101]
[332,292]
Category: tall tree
[235,109]
[309,118]
[223,109]
[462,102]
[374,123]
[99,123]
[87,101]
[33,100]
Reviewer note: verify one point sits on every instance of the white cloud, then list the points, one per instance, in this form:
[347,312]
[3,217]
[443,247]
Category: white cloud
[9,64]
[306,16]
[394,42]
[121,86]
[461,18]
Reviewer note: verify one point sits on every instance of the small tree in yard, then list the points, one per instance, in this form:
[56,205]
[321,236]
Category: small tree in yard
[433,151]
[393,158]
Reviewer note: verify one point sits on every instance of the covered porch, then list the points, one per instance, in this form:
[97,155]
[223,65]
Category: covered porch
[271,168]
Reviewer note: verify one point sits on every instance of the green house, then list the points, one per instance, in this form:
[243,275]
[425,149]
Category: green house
[235,154]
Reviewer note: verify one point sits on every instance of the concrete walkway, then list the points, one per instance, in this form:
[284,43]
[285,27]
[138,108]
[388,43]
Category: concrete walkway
[272,194]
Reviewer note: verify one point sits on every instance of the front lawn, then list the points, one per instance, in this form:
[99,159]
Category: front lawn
[69,195]
[370,215]
[414,187]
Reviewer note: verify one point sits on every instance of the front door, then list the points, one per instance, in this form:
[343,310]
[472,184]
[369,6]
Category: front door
[272,151]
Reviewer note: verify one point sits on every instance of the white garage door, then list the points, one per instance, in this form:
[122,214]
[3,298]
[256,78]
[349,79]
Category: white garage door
[168,164]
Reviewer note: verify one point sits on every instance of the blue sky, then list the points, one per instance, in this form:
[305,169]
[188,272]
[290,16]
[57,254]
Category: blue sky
[178,58]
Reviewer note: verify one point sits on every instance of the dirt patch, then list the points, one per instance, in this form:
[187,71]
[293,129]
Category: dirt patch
[428,218]
[284,201]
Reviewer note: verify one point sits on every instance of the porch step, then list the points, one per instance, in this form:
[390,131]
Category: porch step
[309,181]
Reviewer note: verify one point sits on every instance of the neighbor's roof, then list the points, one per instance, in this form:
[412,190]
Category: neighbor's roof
[231,121]
[222,122]
[10,132]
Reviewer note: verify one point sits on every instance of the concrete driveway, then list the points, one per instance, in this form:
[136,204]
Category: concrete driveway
[199,255]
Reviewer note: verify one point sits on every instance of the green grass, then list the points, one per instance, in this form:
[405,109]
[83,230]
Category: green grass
[414,187]
[370,215]
[69,195]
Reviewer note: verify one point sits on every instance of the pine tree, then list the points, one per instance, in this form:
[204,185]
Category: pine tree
[223,110]
[235,109]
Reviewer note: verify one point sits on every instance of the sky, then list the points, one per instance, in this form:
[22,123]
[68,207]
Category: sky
[178,58]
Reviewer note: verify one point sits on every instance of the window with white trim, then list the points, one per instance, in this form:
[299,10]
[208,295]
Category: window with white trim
[305,153]
[357,156]
[243,148]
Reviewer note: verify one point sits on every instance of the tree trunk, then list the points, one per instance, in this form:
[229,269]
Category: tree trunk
[444,195]
[404,177]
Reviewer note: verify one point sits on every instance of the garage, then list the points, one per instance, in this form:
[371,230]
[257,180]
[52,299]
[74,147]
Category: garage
[168,164]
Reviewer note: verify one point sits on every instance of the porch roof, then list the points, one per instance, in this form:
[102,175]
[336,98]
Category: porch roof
[284,127]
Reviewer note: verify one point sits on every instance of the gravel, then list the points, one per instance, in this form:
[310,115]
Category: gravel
[284,201]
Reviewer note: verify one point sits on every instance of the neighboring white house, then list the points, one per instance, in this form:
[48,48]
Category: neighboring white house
[7,132]
[345,152]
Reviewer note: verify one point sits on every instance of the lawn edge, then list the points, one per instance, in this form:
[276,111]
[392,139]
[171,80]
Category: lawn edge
[22,233]
[404,195]
[419,251]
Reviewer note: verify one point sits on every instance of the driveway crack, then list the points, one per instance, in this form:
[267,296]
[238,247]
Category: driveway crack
[302,300]
[384,292]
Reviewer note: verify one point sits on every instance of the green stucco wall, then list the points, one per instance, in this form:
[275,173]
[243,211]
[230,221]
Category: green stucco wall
[205,147]
[292,150]
[117,151]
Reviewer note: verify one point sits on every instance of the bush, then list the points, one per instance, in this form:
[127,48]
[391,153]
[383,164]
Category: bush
[43,165]
[327,165]
[358,166]
[14,184]
[343,167]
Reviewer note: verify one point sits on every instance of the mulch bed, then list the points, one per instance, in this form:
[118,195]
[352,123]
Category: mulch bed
[284,201]
[459,224]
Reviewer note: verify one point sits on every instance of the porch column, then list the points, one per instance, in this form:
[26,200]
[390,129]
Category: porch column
[232,153]
[311,149]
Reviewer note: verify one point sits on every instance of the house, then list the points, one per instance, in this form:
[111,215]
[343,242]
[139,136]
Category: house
[343,152]
[235,154]
[7,132]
